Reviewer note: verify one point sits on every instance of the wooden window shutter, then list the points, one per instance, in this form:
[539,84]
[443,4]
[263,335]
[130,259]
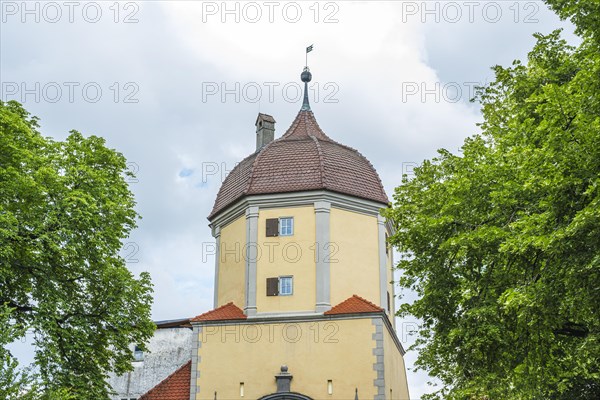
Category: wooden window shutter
[272,227]
[389,308]
[272,286]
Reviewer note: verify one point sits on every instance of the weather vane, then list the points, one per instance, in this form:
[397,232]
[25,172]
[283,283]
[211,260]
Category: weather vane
[308,50]
[306,76]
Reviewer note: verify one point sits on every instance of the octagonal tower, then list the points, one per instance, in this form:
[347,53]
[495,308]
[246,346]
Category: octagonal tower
[303,275]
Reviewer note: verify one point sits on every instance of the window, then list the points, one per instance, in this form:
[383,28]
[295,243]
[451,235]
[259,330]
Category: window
[138,354]
[286,286]
[286,226]
[279,226]
[280,286]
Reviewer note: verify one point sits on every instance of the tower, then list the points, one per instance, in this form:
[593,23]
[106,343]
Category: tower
[303,276]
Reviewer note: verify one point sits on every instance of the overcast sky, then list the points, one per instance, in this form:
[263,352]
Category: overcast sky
[176,86]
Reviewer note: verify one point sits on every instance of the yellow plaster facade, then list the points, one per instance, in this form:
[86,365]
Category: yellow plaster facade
[232,265]
[287,256]
[343,350]
[314,351]
[396,385]
[354,266]
[353,256]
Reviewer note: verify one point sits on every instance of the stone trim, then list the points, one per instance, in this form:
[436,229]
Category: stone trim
[217,235]
[251,257]
[323,271]
[196,344]
[379,365]
[382,263]
[305,198]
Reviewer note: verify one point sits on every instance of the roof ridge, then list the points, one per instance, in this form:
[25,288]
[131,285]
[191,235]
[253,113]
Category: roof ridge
[308,118]
[292,127]
[318,127]
[306,124]
[260,151]
[181,368]
[321,160]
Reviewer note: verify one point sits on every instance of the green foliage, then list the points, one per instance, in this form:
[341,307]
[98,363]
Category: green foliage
[585,14]
[65,209]
[12,380]
[502,241]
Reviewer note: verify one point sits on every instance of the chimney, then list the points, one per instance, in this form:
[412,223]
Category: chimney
[265,130]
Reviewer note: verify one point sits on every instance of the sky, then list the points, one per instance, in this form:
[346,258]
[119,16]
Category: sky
[176,86]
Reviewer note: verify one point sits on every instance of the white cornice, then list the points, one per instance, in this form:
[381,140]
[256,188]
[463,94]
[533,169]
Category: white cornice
[295,199]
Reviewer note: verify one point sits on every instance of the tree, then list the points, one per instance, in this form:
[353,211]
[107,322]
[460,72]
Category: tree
[65,209]
[501,242]
[12,381]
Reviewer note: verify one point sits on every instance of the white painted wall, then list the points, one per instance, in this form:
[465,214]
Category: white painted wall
[169,348]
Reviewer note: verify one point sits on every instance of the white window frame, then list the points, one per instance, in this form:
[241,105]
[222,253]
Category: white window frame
[281,226]
[291,278]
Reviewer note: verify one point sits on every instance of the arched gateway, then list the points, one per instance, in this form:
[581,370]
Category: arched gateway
[285,396]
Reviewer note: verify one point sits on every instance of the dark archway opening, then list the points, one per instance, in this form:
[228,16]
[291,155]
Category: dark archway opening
[285,396]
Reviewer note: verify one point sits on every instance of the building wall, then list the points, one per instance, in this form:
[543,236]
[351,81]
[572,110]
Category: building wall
[355,263]
[170,348]
[352,251]
[232,263]
[314,351]
[395,372]
[287,255]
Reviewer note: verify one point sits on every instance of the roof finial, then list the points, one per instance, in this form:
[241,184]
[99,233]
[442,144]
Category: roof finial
[306,76]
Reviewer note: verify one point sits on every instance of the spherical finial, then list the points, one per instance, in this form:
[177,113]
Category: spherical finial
[306,76]
[284,368]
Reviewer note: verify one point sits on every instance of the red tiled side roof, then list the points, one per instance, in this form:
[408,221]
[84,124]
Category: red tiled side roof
[303,159]
[353,305]
[226,312]
[174,387]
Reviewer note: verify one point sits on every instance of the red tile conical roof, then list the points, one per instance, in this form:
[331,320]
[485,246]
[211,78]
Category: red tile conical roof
[303,159]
